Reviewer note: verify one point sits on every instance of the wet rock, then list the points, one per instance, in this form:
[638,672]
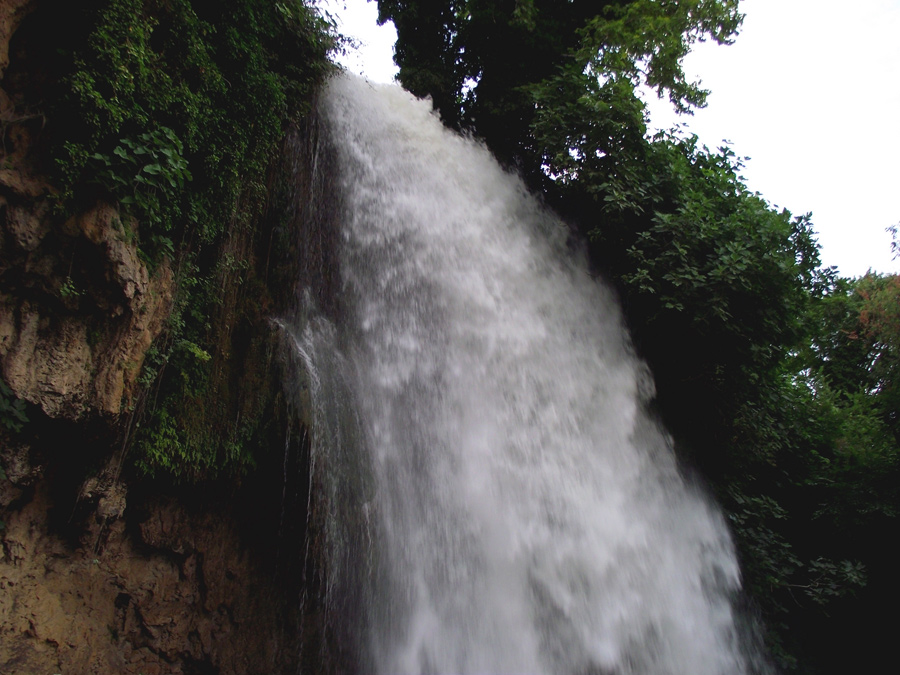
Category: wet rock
[11,14]
[28,226]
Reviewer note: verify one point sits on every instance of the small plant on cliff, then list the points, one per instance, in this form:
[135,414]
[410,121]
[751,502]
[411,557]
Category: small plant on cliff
[68,289]
[12,409]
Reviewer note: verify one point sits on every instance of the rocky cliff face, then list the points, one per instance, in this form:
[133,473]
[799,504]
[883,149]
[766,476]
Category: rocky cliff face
[78,308]
[180,593]
[101,572]
[75,348]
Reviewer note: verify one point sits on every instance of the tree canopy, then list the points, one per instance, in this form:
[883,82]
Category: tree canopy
[523,74]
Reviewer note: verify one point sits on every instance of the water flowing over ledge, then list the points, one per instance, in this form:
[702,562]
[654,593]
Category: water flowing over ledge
[497,500]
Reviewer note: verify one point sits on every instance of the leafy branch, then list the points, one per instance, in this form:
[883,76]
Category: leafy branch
[146,175]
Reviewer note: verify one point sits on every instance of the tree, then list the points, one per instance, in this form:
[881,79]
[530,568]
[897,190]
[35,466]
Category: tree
[815,495]
[506,69]
[715,284]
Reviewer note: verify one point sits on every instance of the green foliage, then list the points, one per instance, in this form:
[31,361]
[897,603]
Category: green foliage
[880,330]
[12,410]
[716,285]
[855,350]
[713,246]
[523,73]
[163,449]
[173,109]
[645,41]
[146,175]
[68,289]
[818,447]
[162,92]
[830,580]
[177,371]
[173,449]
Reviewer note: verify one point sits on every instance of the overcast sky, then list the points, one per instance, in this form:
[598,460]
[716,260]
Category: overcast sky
[809,91]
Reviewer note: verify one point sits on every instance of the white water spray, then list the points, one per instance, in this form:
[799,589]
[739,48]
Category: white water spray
[524,514]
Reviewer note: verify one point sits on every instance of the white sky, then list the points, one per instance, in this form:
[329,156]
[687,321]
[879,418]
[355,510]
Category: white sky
[810,92]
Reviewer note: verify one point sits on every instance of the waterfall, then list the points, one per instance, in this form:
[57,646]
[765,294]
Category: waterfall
[495,497]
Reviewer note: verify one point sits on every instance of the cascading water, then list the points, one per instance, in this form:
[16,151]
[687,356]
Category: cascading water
[505,504]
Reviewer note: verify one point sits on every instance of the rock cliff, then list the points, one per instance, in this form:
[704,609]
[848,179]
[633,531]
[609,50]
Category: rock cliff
[102,571]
